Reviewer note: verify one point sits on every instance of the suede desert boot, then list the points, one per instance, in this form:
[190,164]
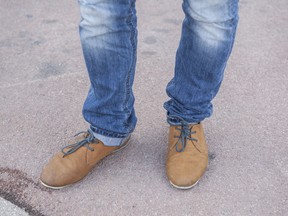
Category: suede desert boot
[187,157]
[76,160]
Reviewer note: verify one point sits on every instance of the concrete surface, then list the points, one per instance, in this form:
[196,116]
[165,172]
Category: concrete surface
[9,209]
[43,83]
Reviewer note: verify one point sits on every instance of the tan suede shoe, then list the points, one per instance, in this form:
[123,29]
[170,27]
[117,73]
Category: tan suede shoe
[187,157]
[75,161]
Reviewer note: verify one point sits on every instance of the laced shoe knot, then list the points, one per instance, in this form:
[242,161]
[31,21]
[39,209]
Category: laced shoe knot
[185,133]
[89,138]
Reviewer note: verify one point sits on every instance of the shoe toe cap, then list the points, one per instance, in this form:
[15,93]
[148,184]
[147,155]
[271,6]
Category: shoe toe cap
[56,174]
[184,180]
[185,175]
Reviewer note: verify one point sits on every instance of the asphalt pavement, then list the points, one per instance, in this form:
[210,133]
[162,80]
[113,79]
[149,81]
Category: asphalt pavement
[43,83]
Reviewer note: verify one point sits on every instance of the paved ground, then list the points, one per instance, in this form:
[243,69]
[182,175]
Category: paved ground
[9,209]
[43,84]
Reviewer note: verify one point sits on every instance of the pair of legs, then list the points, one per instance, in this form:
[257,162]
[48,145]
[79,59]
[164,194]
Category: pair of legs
[109,39]
[108,32]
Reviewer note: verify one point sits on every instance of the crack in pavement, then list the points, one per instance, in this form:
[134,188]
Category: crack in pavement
[13,184]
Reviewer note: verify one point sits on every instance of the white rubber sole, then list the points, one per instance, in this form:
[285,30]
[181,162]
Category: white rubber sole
[61,187]
[184,187]
[52,187]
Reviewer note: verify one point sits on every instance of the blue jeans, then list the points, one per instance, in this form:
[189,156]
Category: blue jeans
[108,32]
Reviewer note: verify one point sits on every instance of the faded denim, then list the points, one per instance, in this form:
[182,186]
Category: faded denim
[108,32]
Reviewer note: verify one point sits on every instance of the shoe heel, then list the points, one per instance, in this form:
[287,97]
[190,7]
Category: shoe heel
[123,146]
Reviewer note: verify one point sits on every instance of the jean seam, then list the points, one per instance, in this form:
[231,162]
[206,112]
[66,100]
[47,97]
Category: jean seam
[129,74]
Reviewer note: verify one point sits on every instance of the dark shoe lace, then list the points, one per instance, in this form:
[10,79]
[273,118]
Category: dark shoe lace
[185,133]
[74,147]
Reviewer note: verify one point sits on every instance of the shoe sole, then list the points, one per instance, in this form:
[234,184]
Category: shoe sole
[115,151]
[184,187]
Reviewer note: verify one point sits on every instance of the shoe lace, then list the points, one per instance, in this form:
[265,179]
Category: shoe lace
[82,143]
[185,134]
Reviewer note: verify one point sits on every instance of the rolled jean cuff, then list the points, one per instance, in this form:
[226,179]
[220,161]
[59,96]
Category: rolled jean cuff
[108,133]
[110,141]
[176,122]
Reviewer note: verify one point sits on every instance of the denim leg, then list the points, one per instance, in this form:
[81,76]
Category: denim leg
[208,33]
[108,35]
